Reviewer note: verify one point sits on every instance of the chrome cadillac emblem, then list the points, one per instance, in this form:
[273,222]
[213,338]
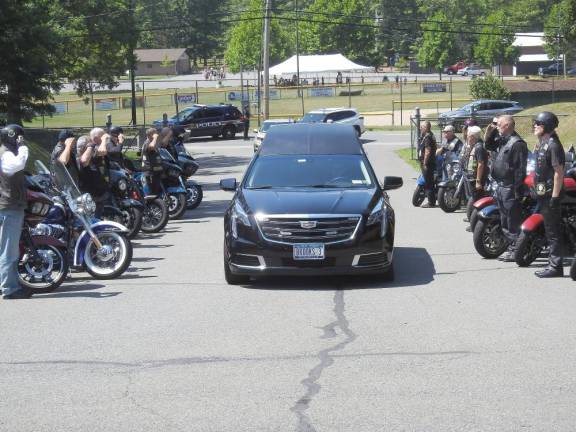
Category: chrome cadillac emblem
[308,224]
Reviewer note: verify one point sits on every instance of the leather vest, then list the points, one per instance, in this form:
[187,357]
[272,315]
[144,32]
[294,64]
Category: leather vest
[12,189]
[502,169]
[544,172]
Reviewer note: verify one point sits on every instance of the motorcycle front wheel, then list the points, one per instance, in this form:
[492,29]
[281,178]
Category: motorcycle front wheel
[155,216]
[112,259]
[176,205]
[489,239]
[418,196]
[447,199]
[529,247]
[46,273]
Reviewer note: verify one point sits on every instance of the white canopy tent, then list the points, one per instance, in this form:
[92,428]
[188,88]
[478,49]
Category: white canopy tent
[317,63]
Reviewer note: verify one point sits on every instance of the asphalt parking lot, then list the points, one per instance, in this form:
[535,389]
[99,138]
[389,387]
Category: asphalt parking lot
[456,342]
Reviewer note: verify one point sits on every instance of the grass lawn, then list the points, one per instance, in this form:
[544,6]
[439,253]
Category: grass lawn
[406,155]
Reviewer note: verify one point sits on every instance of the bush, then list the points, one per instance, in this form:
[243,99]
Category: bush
[488,87]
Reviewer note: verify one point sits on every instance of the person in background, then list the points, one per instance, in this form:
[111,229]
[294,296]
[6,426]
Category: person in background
[478,161]
[13,158]
[151,162]
[427,158]
[451,142]
[246,113]
[548,185]
[65,153]
[91,179]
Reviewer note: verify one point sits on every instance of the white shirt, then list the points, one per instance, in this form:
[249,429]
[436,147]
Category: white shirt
[10,164]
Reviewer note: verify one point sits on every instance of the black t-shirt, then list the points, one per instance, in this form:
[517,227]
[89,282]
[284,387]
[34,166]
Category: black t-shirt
[428,142]
[549,156]
[71,166]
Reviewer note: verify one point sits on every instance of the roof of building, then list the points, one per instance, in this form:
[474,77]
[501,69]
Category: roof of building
[158,55]
[529,39]
[311,138]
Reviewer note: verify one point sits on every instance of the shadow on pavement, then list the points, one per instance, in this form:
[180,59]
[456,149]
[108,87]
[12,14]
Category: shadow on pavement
[213,165]
[207,209]
[73,289]
[412,266]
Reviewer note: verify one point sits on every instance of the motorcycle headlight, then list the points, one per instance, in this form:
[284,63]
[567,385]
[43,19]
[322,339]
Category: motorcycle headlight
[122,185]
[378,215]
[239,216]
[86,204]
[456,168]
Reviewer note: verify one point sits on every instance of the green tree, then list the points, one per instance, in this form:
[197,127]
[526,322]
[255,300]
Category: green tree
[488,87]
[326,29]
[245,39]
[30,64]
[495,45]
[437,47]
[398,27]
[560,32]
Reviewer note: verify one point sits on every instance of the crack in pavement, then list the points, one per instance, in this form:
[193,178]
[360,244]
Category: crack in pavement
[326,360]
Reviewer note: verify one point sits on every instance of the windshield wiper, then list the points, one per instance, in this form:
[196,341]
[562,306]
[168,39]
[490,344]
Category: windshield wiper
[324,186]
[260,187]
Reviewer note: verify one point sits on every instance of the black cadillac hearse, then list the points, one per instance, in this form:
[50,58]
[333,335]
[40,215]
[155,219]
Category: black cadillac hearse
[309,204]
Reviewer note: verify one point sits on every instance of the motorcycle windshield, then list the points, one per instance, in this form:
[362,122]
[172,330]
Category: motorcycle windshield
[65,182]
[165,154]
[40,168]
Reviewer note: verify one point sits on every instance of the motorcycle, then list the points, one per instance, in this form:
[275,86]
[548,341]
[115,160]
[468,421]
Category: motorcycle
[99,247]
[155,212]
[173,187]
[454,186]
[43,264]
[194,192]
[532,240]
[420,193]
[125,209]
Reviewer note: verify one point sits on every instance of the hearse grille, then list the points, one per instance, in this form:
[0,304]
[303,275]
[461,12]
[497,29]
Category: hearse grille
[309,229]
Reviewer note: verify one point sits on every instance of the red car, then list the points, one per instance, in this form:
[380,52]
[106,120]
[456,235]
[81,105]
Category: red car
[453,70]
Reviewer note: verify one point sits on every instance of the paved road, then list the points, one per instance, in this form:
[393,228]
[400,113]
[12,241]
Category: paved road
[455,343]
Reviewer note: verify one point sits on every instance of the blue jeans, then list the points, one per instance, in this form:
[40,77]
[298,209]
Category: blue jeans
[10,229]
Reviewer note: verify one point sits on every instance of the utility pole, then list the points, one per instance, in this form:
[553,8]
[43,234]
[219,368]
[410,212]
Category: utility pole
[266,56]
[132,60]
[300,91]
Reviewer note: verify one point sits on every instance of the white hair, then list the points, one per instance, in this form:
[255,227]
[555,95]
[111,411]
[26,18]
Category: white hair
[96,133]
[474,131]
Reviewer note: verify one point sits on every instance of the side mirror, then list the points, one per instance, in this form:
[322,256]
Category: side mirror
[329,121]
[391,183]
[229,184]
[255,130]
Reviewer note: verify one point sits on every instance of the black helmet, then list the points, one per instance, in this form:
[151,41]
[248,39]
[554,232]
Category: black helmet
[548,120]
[115,130]
[178,131]
[9,135]
[65,134]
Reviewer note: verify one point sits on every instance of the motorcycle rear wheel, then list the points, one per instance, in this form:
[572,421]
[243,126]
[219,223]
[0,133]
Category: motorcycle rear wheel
[114,262]
[529,247]
[194,195]
[132,221]
[447,201]
[176,205]
[489,239]
[46,276]
[418,196]
[473,219]
[155,216]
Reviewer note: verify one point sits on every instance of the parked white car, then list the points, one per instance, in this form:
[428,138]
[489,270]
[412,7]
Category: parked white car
[267,124]
[472,71]
[336,115]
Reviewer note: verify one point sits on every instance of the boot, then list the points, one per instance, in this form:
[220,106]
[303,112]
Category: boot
[550,272]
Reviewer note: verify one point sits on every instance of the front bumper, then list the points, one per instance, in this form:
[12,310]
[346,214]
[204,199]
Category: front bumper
[245,257]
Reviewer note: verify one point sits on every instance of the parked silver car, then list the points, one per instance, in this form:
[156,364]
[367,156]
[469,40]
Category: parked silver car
[336,115]
[261,133]
[483,110]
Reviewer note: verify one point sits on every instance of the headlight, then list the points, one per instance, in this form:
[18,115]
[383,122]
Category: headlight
[378,215]
[122,185]
[86,204]
[456,168]
[239,216]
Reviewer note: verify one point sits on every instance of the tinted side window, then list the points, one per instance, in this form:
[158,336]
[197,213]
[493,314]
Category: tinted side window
[347,114]
[331,116]
[232,114]
[213,112]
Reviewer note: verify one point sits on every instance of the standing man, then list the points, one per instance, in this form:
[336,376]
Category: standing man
[451,142]
[13,157]
[509,170]
[65,153]
[427,158]
[246,120]
[478,161]
[548,184]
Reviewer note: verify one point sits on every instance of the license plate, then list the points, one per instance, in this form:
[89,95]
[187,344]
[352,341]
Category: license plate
[308,251]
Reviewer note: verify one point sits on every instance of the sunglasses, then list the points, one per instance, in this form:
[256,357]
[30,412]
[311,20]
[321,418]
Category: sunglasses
[495,123]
